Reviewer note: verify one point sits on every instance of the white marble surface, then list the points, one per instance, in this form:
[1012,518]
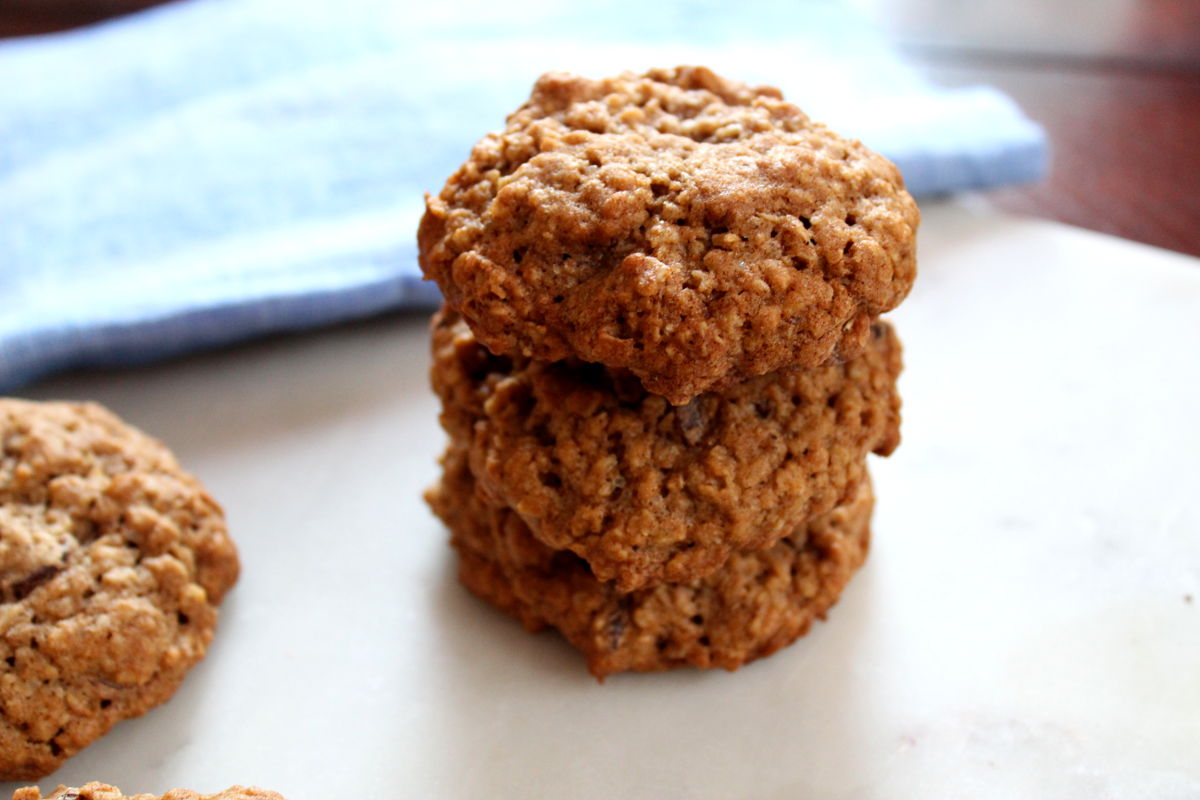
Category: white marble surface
[1028,623]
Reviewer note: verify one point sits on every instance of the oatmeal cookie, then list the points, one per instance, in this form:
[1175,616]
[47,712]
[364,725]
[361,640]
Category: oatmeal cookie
[693,230]
[645,491]
[102,791]
[112,562]
[758,602]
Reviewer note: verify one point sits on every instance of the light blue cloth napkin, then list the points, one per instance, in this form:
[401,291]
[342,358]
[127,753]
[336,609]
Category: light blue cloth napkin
[212,170]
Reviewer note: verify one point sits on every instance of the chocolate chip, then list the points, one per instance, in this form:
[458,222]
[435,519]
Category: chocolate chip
[692,423]
[618,621]
[23,587]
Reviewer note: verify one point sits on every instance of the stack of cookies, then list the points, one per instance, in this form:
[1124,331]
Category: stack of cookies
[661,363]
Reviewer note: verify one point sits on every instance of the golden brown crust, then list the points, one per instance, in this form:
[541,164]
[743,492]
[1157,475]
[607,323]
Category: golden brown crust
[103,791]
[112,561]
[693,230]
[645,491]
[755,604]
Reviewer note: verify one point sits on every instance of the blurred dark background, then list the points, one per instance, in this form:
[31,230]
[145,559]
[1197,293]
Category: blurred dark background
[1115,83]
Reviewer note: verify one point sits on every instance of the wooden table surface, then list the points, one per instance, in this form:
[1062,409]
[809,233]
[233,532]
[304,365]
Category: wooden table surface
[1115,83]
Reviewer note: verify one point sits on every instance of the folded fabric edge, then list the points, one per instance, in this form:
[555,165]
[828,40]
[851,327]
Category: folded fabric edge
[1011,165]
[25,358]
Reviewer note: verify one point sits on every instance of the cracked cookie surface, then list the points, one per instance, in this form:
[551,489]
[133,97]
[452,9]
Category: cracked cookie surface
[756,603]
[645,491]
[112,562]
[103,791]
[693,230]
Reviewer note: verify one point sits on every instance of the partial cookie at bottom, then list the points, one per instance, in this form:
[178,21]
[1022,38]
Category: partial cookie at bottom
[759,602]
[103,791]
